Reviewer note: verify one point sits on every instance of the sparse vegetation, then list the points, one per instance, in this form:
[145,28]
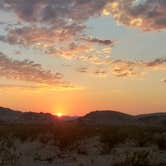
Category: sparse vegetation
[8,155]
[68,136]
[140,158]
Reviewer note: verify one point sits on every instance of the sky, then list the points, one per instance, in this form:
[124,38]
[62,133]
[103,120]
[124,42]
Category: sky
[76,56]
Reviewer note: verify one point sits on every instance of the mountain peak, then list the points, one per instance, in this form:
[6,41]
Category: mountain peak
[107,117]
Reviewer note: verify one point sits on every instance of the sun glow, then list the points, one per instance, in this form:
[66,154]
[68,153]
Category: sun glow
[59,114]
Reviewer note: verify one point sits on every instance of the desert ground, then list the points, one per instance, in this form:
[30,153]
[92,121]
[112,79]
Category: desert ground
[74,144]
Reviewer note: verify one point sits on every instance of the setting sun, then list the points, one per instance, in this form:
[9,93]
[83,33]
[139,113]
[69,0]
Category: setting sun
[59,114]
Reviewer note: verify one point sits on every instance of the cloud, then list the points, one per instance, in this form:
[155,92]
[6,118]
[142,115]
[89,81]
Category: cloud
[59,42]
[147,15]
[55,26]
[29,71]
[83,51]
[73,50]
[125,68]
[164,80]
[129,68]
[124,72]
[53,10]
[36,88]
[58,27]
[15,87]
[42,36]
[100,41]
[97,71]
[82,69]
[157,64]
[100,72]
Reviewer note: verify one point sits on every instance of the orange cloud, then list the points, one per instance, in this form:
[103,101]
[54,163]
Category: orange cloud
[56,26]
[29,71]
[124,68]
[100,41]
[146,15]
[164,80]
[100,72]
[37,88]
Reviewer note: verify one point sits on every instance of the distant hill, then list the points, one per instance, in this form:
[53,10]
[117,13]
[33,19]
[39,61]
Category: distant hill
[105,117]
[69,118]
[11,116]
[153,118]
[117,118]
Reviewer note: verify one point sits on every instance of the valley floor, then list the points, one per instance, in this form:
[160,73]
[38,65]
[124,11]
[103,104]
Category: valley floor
[81,147]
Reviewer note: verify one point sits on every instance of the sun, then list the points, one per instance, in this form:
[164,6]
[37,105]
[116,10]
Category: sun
[58,111]
[59,114]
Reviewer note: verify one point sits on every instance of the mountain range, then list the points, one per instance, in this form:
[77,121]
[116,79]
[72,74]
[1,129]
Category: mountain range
[11,116]
[105,117]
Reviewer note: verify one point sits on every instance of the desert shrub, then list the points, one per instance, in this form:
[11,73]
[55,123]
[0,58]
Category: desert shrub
[48,159]
[141,136]
[82,151]
[62,135]
[159,139]
[67,136]
[27,132]
[140,158]
[142,139]
[144,136]
[8,155]
[112,137]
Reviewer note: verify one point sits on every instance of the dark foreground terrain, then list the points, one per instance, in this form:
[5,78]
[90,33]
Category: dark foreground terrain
[80,145]
[83,142]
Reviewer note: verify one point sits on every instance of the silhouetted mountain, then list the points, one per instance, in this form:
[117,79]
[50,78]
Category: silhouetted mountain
[69,118]
[118,118]
[12,116]
[153,118]
[107,118]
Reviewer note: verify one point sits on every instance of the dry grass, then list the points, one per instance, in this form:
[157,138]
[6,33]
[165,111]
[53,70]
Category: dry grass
[67,138]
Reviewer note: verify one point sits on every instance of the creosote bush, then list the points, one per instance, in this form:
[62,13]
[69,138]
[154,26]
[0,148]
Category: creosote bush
[140,158]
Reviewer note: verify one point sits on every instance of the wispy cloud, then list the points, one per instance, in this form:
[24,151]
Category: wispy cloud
[100,72]
[100,41]
[125,68]
[29,71]
[157,64]
[61,42]
[43,37]
[163,80]
[21,88]
[82,69]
